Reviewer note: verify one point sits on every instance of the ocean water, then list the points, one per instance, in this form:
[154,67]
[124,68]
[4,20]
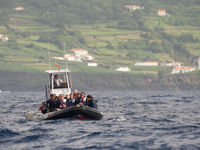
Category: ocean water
[132,120]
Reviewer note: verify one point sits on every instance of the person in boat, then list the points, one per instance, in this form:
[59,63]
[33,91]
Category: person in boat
[77,98]
[67,99]
[67,96]
[43,108]
[58,82]
[50,103]
[71,100]
[57,104]
[82,99]
[62,101]
[75,93]
[91,102]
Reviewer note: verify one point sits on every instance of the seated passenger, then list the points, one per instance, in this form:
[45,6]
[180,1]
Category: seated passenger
[57,103]
[43,108]
[77,99]
[51,103]
[62,101]
[75,93]
[71,100]
[67,96]
[83,98]
[91,102]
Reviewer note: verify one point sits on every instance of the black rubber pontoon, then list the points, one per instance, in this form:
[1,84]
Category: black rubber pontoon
[85,112]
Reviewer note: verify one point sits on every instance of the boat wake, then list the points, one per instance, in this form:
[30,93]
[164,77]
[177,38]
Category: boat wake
[121,118]
[35,115]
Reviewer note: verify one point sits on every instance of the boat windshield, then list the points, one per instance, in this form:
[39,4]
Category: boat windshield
[60,81]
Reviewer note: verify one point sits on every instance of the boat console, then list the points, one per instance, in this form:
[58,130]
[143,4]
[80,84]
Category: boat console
[59,82]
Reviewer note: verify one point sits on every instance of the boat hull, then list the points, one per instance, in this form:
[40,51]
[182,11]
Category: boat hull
[83,112]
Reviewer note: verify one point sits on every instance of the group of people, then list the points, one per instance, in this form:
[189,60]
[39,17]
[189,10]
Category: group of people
[61,102]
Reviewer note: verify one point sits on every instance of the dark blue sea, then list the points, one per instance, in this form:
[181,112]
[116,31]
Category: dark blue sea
[132,120]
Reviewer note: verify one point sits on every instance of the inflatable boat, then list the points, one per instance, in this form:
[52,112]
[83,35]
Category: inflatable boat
[78,112]
[59,82]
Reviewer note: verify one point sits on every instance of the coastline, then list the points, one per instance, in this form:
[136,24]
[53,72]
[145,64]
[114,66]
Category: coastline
[20,81]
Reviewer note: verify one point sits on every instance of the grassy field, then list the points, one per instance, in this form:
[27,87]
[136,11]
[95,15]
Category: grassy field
[102,42]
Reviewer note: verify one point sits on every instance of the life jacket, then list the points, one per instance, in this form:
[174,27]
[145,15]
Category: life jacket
[84,101]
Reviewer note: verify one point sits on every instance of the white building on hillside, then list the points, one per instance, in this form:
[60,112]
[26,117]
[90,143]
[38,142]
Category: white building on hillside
[4,38]
[58,58]
[71,57]
[86,57]
[92,64]
[132,7]
[173,64]
[146,63]
[199,62]
[162,13]
[182,69]
[79,51]
[124,69]
[82,54]
[19,8]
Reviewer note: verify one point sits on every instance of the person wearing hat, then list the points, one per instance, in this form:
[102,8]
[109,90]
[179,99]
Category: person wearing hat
[91,102]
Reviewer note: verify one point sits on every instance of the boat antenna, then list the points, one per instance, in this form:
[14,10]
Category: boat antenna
[65,59]
[70,77]
[49,57]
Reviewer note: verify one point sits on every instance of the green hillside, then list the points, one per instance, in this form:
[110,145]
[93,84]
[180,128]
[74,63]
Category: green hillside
[113,35]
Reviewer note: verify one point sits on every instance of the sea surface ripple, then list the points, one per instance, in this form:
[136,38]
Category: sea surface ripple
[132,120]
